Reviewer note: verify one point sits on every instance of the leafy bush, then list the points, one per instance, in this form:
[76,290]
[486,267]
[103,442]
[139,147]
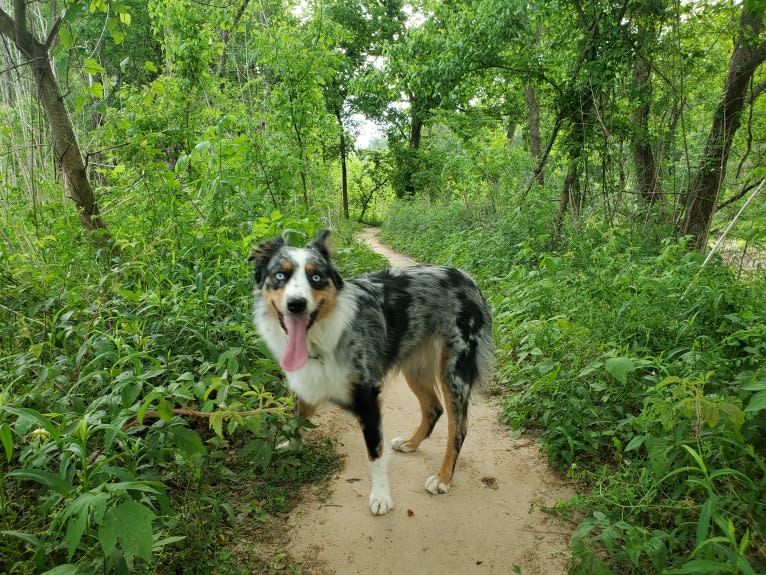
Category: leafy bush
[644,371]
[125,386]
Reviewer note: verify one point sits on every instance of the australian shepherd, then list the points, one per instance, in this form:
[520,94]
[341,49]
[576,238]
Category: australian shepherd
[337,340]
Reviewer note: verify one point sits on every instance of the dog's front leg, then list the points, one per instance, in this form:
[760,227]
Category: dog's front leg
[367,409]
[381,501]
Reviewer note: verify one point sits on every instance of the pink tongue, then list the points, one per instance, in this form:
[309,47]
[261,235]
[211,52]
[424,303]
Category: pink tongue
[296,355]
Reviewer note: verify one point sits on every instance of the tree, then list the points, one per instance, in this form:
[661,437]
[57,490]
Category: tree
[432,63]
[643,155]
[534,128]
[37,54]
[595,69]
[226,34]
[366,27]
[749,53]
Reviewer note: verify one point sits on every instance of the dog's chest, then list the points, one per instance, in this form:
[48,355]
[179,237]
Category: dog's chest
[321,379]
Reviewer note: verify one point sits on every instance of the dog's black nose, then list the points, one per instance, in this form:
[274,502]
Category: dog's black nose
[296,305]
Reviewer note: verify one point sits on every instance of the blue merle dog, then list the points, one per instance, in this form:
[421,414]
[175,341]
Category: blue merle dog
[337,340]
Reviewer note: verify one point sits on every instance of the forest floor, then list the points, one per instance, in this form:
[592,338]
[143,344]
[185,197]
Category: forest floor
[490,522]
[743,257]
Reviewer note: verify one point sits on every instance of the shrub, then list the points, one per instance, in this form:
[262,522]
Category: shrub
[644,371]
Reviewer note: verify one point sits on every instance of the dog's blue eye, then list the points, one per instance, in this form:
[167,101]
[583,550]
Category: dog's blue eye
[280,277]
[316,278]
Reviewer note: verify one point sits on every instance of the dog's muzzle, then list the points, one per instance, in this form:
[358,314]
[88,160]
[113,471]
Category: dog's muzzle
[312,317]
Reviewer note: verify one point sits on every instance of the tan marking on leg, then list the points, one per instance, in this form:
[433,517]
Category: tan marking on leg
[440,481]
[306,410]
[424,388]
[450,455]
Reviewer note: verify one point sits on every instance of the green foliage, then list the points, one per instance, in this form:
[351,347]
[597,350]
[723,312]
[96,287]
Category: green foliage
[128,378]
[370,190]
[127,383]
[644,372]
[433,60]
[124,387]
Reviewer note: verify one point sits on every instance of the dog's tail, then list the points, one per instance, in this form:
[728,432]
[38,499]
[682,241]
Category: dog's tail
[476,361]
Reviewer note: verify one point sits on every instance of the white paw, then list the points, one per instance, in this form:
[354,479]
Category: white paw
[293,445]
[380,501]
[434,486]
[400,444]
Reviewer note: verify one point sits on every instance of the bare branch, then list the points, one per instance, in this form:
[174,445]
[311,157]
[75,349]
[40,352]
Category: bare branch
[20,15]
[7,26]
[541,163]
[738,196]
[14,67]
[53,33]
[723,235]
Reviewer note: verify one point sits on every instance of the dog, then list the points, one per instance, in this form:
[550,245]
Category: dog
[337,340]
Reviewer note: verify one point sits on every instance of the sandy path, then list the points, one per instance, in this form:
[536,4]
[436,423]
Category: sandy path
[485,524]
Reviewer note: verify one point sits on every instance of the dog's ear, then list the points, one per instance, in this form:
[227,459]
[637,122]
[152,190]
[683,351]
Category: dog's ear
[321,244]
[261,255]
[335,277]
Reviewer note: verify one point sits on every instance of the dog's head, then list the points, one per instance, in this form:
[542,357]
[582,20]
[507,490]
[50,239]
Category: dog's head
[299,286]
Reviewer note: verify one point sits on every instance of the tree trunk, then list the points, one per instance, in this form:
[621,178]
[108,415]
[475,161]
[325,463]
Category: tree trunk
[65,146]
[416,129]
[225,35]
[569,198]
[704,190]
[534,130]
[343,169]
[643,156]
[301,153]
[571,194]
[408,159]
[510,132]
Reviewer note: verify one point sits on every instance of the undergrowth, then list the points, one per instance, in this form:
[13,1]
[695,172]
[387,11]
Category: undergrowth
[645,372]
[139,412]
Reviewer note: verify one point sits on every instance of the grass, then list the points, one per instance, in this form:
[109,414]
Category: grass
[644,373]
[136,397]
[235,522]
[135,392]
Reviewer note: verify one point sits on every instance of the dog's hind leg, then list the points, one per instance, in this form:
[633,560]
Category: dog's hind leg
[455,392]
[422,382]
[367,410]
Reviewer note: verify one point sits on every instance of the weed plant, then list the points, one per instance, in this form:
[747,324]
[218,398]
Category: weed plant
[645,372]
[139,412]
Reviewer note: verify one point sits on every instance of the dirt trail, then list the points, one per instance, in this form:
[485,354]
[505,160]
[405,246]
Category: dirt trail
[485,524]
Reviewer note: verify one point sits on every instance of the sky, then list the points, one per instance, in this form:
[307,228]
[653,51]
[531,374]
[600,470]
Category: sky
[367,131]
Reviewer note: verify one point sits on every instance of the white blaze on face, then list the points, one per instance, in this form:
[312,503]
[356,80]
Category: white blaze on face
[298,284]
[296,353]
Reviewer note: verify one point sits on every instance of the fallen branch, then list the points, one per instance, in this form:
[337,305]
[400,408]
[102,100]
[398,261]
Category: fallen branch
[203,414]
[189,413]
[723,235]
